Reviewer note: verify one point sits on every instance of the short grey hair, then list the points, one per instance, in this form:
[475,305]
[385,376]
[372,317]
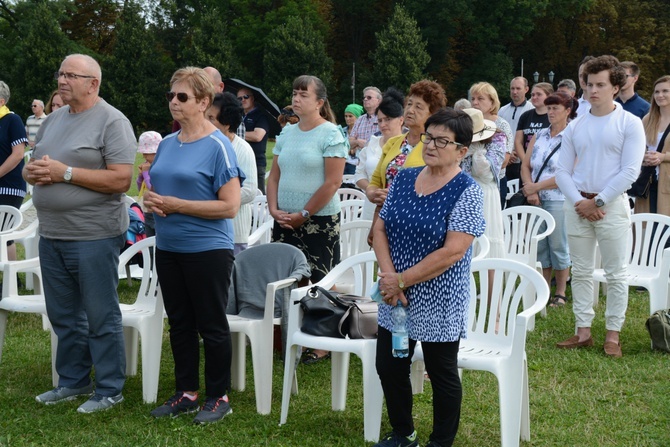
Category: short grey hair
[4,91]
[462,104]
[569,84]
[374,89]
[39,101]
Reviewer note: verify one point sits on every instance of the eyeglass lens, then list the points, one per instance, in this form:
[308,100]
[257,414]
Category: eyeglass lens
[181,96]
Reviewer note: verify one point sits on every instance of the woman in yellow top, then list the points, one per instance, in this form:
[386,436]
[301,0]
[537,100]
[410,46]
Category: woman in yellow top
[404,151]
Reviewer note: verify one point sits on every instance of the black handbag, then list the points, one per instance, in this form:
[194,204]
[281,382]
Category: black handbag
[518,198]
[330,314]
[640,187]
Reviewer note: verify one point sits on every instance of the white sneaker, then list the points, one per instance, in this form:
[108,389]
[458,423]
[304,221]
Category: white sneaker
[99,402]
[63,394]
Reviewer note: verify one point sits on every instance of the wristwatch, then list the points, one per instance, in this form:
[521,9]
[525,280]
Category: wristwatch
[401,283]
[599,202]
[68,175]
[305,214]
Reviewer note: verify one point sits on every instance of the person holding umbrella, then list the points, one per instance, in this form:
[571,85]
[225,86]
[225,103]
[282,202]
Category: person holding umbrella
[257,126]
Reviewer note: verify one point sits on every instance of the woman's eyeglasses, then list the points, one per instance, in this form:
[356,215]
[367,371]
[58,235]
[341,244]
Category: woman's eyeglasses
[440,143]
[181,96]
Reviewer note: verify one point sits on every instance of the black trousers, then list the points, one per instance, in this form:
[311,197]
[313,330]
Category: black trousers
[441,361]
[195,292]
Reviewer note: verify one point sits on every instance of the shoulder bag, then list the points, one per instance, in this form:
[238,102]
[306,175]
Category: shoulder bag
[640,187]
[518,198]
[330,314]
[658,325]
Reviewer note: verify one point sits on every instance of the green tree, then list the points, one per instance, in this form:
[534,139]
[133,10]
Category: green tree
[209,45]
[136,75]
[294,49]
[400,57]
[37,51]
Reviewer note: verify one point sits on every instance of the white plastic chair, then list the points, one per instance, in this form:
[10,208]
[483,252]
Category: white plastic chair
[11,300]
[524,227]
[499,346]
[259,331]
[363,265]
[480,247]
[350,194]
[649,262]
[512,188]
[261,221]
[348,179]
[351,210]
[144,318]
[10,219]
[353,240]
[354,237]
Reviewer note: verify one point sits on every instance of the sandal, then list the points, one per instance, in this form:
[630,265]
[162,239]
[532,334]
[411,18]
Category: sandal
[558,301]
[310,358]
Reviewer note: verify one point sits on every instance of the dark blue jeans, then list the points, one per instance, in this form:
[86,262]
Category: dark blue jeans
[80,280]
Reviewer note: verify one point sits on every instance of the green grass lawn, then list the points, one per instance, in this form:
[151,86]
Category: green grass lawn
[577,398]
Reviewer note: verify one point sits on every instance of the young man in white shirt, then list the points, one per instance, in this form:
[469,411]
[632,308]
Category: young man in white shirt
[601,156]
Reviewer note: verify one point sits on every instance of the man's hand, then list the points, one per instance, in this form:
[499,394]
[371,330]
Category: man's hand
[45,171]
[587,209]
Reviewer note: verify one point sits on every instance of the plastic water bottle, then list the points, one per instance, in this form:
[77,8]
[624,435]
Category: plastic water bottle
[399,338]
[375,294]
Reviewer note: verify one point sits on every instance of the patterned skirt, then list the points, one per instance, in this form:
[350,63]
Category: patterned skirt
[318,239]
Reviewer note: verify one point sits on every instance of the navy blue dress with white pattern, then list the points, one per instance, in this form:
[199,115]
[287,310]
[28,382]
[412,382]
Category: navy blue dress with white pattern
[417,226]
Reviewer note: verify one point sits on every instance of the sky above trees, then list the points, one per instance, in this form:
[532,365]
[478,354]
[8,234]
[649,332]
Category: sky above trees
[269,42]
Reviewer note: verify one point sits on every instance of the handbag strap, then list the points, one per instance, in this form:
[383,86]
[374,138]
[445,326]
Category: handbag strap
[659,148]
[546,160]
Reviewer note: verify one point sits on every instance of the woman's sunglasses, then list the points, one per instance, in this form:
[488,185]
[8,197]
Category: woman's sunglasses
[181,96]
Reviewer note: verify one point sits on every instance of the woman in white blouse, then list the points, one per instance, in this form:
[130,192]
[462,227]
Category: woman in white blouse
[390,119]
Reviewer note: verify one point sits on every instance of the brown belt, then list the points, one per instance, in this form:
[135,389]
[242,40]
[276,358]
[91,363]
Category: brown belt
[588,195]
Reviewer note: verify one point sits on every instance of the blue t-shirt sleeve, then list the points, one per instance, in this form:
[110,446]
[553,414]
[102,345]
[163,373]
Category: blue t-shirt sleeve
[226,167]
[17,132]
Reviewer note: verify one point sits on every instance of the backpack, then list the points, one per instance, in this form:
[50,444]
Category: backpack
[136,231]
[658,325]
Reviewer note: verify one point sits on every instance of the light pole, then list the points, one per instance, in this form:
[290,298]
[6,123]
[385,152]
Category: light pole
[550,75]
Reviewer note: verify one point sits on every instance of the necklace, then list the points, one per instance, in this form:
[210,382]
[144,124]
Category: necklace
[186,140]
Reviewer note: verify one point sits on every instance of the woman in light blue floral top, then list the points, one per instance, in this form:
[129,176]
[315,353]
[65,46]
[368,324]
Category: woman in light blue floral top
[305,176]
[552,252]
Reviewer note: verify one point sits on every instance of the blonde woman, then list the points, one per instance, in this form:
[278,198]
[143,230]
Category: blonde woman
[655,124]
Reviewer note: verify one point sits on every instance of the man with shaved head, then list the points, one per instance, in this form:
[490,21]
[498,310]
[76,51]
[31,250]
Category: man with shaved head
[81,165]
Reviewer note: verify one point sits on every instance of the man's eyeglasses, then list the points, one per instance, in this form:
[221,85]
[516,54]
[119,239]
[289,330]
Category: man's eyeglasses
[181,96]
[243,97]
[71,76]
[440,142]
[367,98]
[34,105]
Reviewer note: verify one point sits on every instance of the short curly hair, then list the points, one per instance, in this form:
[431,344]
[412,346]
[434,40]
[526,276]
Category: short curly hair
[431,92]
[609,63]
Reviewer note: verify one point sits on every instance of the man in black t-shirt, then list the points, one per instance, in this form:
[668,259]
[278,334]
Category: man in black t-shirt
[257,128]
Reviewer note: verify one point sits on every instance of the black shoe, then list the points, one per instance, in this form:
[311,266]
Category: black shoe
[392,439]
[176,405]
[215,409]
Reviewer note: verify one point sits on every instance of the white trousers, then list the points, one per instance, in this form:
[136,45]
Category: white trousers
[611,233]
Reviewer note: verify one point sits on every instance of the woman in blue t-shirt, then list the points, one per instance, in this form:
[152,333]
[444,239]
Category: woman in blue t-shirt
[195,195]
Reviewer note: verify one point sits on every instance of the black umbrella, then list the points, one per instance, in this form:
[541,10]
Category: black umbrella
[261,100]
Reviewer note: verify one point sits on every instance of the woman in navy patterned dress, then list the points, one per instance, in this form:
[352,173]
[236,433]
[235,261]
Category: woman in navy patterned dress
[423,244]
